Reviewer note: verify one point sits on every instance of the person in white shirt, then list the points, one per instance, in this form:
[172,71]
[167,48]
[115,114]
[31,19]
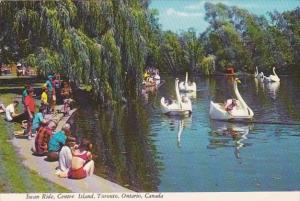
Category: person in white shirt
[2,108]
[10,110]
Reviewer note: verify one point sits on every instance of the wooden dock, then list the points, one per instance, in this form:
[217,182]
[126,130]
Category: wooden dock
[47,170]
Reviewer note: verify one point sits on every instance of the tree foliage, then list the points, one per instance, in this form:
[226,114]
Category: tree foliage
[102,43]
[107,44]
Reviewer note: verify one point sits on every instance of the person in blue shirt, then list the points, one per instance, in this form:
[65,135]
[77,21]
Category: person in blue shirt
[49,86]
[37,119]
[57,141]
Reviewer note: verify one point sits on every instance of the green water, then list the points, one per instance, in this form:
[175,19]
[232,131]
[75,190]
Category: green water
[142,149]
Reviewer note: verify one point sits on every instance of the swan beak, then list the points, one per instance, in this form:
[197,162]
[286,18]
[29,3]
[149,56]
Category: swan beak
[239,81]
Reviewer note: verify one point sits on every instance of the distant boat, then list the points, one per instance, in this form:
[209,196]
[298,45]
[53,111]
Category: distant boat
[238,112]
[272,78]
[187,86]
[259,75]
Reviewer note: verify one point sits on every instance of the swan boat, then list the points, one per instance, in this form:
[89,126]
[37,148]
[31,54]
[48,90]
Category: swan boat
[259,75]
[180,106]
[156,78]
[240,112]
[272,78]
[186,86]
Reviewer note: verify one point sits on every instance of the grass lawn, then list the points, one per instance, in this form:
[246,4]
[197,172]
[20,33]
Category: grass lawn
[14,177]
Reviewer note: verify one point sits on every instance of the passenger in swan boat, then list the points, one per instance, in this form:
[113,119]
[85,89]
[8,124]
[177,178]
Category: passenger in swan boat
[169,100]
[184,99]
[230,105]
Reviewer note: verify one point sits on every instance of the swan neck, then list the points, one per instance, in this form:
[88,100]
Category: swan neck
[274,72]
[239,97]
[177,93]
[186,77]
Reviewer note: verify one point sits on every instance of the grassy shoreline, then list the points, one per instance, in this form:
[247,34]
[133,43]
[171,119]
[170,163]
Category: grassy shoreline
[14,177]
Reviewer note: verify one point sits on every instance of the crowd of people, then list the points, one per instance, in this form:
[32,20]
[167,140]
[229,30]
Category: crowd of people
[21,69]
[73,155]
[151,76]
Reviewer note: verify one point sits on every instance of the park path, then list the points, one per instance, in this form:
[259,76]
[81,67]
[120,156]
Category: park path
[46,169]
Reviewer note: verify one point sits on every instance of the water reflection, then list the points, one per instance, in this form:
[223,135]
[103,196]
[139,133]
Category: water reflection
[144,150]
[178,124]
[180,129]
[273,89]
[227,134]
[122,142]
[259,83]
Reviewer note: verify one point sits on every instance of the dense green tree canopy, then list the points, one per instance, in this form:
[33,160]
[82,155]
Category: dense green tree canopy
[102,43]
[107,44]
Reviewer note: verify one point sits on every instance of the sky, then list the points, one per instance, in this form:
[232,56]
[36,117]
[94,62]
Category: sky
[179,15]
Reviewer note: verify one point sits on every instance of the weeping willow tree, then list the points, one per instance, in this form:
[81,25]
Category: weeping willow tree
[102,43]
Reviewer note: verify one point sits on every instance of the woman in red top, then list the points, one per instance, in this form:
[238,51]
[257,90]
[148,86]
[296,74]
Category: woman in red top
[29,103]
[82,164]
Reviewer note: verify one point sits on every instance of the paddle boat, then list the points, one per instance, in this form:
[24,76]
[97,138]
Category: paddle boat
[233,109]
[187,86]
[258,75]
[272,78]
[181,106]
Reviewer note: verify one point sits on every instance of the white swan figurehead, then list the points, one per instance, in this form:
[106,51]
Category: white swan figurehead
[256,72]
[239,110]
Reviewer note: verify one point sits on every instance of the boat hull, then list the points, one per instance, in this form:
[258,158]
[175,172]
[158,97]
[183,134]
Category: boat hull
[174,109]
[216,112]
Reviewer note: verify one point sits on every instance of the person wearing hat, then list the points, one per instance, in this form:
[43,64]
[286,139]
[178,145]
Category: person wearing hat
[29,103]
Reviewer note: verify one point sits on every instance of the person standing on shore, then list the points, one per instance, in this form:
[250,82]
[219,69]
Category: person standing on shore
[44,101]
[30,110]
[66,94]
[49,86]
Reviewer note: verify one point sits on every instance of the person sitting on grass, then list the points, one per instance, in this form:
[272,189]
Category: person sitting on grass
[10,111]
[2,108]
[43,137]
[82,164]
[57,141]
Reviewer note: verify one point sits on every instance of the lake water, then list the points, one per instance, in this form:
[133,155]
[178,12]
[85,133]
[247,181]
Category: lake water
[140,148]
